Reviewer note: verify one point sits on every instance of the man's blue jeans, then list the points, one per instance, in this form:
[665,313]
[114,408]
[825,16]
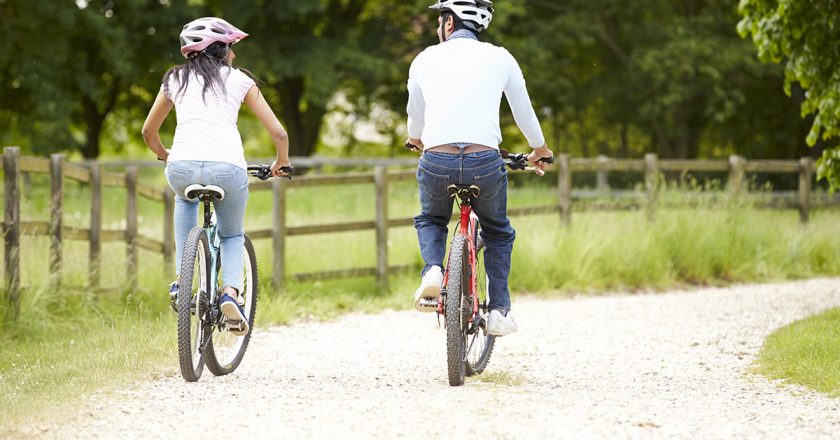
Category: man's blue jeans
[486,169]
[230,212]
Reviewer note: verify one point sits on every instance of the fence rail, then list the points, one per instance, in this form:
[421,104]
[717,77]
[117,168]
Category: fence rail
[96,176]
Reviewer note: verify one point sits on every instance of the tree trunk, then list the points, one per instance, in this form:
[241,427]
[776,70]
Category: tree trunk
[302,119]
[95,120]
[625,148]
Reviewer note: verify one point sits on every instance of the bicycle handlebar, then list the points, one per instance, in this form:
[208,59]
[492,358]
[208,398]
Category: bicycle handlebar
[515,161]
[519,161]
[263,172]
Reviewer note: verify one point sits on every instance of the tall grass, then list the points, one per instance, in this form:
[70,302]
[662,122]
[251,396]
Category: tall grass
[74,340]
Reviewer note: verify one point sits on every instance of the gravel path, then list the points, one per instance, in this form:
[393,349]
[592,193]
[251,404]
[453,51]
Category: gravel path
[626,366]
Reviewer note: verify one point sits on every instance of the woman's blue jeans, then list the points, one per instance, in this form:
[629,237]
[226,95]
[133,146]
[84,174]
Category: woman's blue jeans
[230,212]
[486,169]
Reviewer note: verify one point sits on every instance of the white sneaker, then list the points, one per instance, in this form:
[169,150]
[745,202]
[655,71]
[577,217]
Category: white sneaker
[500,325]
[426,296]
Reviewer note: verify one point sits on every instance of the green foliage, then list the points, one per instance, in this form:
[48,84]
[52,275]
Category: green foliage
[74,64]
[803,35]
[622,78]
[606,77]
[805,353]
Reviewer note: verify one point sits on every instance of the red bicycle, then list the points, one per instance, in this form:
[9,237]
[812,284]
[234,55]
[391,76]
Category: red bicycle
[463,299]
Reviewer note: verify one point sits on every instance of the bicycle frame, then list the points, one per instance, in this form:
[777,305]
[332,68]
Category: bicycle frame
[467,225]
[210,228]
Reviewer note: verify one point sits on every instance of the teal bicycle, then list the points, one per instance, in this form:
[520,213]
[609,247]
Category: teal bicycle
[205,335]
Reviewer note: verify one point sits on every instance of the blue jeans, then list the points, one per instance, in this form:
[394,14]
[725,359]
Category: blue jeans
[486,169]
[230,212]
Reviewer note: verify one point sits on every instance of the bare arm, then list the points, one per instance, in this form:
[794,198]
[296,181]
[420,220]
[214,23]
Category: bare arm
[256,102]
[151,128]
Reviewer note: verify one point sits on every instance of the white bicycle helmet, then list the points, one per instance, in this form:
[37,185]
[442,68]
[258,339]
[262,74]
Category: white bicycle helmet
[198,34]
[479,12]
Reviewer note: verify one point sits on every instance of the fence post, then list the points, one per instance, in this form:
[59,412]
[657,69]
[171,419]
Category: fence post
[169,231]
[131,223]
[736,174]
[806,173]
[278,234]
[603,184]
[380,179]
[56,215]
[11,169]
[564,188]
[651,181]
[95,234]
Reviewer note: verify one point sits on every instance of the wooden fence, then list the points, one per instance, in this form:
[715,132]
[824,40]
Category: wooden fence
[95,175]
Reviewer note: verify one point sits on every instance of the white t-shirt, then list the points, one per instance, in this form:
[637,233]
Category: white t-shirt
[455,90]
[207,129]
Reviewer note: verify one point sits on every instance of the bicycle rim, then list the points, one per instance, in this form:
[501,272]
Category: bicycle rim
[226,351]
[192,304]
[479,343]
[454,316]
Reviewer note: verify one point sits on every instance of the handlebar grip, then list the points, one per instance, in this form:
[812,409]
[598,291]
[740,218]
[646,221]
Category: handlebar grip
[263,172]
[548,160]
[411,146]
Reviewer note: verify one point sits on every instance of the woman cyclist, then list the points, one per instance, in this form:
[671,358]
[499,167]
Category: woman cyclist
[207,92]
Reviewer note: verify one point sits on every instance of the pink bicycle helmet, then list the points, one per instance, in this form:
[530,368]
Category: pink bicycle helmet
[202,32]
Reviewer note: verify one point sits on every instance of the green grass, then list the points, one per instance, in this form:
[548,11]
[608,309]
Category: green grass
[806,352]
[73,342]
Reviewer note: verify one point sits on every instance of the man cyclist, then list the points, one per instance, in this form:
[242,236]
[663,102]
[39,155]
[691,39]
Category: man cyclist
[455,90]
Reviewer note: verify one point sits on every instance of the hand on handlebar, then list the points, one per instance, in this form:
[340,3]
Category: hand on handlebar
[540,158]
[415,145]
[280,168]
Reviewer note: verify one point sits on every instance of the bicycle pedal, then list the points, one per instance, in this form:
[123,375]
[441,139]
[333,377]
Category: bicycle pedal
[236,326]
[428,302]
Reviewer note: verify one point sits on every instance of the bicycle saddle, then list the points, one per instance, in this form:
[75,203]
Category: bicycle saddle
[199,191]
[461,189]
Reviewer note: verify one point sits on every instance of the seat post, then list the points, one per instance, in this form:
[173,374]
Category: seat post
[207,213]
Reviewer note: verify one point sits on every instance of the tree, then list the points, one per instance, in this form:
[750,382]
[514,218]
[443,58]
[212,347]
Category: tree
[308,50]
[803,35]
[72,71]
[650,75]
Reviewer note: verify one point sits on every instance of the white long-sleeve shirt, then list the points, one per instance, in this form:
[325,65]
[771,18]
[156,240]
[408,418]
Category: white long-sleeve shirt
[455,91]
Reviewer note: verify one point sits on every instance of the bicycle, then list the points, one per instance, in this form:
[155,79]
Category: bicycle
[463,300]
[205,335]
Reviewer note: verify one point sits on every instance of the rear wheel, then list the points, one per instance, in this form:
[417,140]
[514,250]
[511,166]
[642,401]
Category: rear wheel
[479,343]
[192,304]
[456,300]
[225,351]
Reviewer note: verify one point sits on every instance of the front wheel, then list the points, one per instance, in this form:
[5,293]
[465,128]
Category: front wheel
[225,351]
[457,285]
[192,304]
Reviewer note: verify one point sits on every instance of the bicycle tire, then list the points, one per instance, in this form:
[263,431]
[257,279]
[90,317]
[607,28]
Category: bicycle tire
[476,360]
[191,303]
[230,359]
[455,332]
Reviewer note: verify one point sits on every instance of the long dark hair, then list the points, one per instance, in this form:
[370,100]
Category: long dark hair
[207,64]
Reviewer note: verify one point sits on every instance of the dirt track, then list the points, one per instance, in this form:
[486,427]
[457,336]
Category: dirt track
[663,365]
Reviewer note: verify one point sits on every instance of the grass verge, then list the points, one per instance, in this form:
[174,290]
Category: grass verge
[806,353]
